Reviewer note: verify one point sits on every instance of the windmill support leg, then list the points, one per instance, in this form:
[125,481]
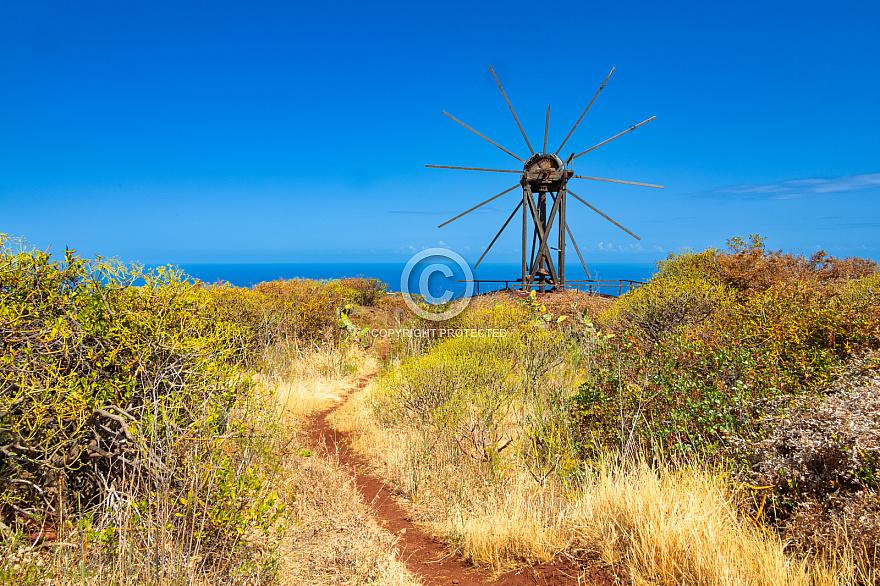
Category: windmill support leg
[542,217]
[560,265]
[525,234]
[559,204]
[543,257]
[532,253]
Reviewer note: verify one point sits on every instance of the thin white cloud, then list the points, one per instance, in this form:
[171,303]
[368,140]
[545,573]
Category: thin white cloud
[795,188]
[636,247]
[629,248]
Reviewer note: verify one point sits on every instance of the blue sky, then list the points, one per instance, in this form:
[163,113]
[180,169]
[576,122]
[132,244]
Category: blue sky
[178,132]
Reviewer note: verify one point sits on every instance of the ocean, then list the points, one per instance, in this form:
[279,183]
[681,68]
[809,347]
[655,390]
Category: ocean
[246,275]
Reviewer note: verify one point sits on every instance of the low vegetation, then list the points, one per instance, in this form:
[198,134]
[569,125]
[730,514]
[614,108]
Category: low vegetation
[701,429]
[150,426]
[719,425]
[765,363]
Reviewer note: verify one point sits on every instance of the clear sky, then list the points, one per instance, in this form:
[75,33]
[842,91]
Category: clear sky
[180,132]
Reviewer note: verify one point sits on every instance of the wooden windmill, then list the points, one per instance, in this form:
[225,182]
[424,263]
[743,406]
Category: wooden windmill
[544,175]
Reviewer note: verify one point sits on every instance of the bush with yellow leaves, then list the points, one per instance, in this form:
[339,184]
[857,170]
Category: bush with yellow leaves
[123,398]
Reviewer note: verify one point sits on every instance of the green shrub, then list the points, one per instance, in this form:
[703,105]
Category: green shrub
[459,380]
[367,290]
[667,303]
[486,394]
[714,334]
[858,310]
[116,385]
[302,309]
[734,357]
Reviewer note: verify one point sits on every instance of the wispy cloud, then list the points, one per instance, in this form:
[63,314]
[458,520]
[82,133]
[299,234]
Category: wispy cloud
[855,225]
[795,188]
[629,248]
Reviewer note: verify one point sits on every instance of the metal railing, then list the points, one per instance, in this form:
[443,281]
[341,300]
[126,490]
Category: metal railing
[592,286]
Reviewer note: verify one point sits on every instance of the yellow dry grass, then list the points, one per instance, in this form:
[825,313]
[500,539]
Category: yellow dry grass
[331,537]
[679,527]
[303,382]
[662,526]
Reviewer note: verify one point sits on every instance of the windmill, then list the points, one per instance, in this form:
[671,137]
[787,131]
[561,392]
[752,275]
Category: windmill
[544,175]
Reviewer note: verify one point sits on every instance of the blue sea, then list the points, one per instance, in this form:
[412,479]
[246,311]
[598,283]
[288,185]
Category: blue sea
[246,275]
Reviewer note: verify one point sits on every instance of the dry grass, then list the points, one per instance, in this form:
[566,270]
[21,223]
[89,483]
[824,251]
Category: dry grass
[303,382]
[495,521]
[662,526]
[680,527]
[327,535]
[331,537]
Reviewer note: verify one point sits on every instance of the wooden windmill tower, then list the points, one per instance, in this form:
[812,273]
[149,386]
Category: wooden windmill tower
[544,182]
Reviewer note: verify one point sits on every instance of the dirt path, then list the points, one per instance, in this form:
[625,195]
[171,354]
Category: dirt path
[424,555]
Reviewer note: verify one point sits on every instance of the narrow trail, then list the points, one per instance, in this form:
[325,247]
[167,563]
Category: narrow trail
[430,559]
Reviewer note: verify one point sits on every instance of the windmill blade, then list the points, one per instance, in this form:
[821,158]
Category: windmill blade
[513,213]
[485,137]
[603,215]
[578,250]
[630,129]
[531,150]
[618,181]
[546,128]
[472,169]
[478,205]
[601,87]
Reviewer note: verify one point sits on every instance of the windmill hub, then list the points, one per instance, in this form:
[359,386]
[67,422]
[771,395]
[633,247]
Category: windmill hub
[545,172]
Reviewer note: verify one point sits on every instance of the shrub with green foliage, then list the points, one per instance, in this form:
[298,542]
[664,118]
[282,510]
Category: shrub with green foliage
[302,309]
[292,311]
[682,293]
[711,358]
[120,398]
[463,386]
[367,290]
[488,395]
[716,333]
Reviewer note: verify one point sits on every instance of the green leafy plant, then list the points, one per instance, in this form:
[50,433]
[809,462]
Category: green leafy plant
[121,392]
[362,335]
